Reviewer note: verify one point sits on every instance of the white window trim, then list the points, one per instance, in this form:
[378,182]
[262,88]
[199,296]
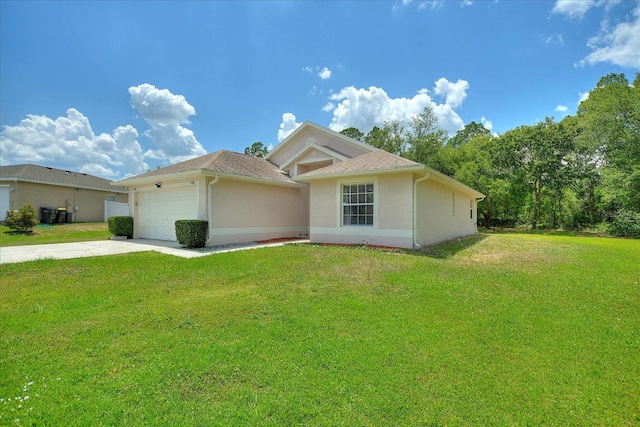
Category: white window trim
[352,181]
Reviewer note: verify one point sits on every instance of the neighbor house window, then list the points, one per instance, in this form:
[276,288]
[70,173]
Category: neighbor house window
[111,198]
[357,204]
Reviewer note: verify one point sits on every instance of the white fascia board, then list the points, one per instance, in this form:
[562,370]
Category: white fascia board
[369,172]
[176,176]
[196,174]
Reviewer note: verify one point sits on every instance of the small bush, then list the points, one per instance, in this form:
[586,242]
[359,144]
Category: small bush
[23,220]
[625,224]
[121,226]
[192,233]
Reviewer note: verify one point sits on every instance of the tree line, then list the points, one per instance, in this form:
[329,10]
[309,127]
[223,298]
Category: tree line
[582,172]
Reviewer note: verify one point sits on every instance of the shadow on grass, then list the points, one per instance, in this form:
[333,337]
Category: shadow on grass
[449,248]
[19,233]
[544,232]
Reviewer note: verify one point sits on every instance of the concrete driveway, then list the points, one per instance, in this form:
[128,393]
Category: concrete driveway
[14,254]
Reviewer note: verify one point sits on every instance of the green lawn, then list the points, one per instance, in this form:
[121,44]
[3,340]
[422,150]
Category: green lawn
[500,329]
[58,233]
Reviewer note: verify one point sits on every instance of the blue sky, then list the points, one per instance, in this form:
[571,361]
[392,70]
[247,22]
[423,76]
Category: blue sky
[113,88]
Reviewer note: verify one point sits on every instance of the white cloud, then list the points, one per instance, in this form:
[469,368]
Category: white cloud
[329,107]
[160,105]
[619,45]
[562,109]
[466,3]
[365,108]
[616,44]
[70,143]
[287,126]
[582,96]
[454,92]
[165,113]
[573,9]
[325,73]
[486,123]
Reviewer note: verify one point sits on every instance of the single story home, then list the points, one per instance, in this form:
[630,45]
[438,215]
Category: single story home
[316,183]
[79,193]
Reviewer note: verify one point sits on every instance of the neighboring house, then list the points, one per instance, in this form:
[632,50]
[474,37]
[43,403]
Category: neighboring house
[82,194]
[316,183]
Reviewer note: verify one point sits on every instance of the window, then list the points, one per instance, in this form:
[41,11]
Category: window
[471,209]
[111,198]
[357,204]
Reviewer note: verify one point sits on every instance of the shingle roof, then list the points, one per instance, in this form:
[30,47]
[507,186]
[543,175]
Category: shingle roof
[375,161]
[226,162]
[47,175]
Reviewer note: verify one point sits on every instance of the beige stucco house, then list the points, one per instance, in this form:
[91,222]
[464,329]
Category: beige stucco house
[317,183]
[82,194]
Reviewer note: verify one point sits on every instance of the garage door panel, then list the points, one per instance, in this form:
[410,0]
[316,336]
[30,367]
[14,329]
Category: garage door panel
[159,209]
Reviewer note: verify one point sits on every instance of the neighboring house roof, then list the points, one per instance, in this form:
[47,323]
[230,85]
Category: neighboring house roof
[51,176]
[223,162]
[376,161]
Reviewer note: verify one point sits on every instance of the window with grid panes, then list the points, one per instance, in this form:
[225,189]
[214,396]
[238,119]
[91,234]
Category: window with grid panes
[357,204]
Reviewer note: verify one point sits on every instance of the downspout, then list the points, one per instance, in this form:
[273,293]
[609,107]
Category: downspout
[478,199]
[210,202]
[415,208]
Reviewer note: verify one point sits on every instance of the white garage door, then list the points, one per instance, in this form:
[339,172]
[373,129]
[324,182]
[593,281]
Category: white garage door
[159,209]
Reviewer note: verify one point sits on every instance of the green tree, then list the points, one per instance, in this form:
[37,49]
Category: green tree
[390,138]
[257,149]
[425,140]
[354,133]
[470,131]
[610,117]
[537,156]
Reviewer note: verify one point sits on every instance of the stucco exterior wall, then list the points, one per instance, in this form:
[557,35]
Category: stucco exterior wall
[396,201]
[246,211]
[90,203]
[443,213]
[393,212]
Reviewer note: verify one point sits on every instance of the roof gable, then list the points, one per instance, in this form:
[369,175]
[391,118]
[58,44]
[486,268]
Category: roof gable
[52,176]
[310,133]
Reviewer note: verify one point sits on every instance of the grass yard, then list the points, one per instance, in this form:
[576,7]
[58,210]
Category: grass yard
[500,329]
[58,233]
